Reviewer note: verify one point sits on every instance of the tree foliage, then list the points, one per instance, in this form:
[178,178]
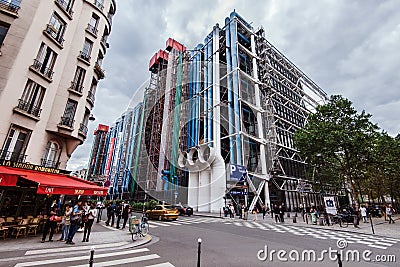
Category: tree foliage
[345,146]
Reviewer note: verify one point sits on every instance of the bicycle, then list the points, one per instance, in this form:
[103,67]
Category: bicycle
[338,219]
[139,228]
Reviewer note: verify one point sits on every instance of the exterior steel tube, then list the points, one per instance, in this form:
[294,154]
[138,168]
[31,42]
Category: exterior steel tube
[193,189]
[210,89]
[230,92]
[235,85]
[198,85]
[205,94]
[191,104]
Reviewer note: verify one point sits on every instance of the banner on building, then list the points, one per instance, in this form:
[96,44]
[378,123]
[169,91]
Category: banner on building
[330,205]
[238,172]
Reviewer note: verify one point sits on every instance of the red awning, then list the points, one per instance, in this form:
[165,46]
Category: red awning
[48,183]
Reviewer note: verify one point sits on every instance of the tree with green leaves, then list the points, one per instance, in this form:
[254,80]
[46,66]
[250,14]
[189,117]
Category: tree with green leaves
[339,140]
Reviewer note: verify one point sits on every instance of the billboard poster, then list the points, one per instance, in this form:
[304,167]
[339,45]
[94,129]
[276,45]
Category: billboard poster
[330,205]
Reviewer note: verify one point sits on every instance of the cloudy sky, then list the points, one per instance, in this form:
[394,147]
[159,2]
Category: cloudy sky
[347,47]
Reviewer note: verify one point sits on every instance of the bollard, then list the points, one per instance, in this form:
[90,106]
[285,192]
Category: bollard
[339,259]
[91,257]
[372,226]
[294,219]
[198,251]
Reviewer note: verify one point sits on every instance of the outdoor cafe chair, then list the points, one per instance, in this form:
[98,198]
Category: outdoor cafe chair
[33,226]
[3,231]
[21,228]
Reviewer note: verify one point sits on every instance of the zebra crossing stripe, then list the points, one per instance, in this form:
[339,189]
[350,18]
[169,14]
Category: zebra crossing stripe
[172,223]
[78,258]
[122,261]
[165,264]
[158,223]
[374,246]
[67,249]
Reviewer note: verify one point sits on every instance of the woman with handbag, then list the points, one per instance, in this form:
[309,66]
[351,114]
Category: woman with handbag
[90,215]
[76,220]
[50,224]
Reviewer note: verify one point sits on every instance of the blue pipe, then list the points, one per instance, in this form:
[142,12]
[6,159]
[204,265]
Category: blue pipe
[191,104]
[241,36]
[205,100]
[235,83]
[230,92]
[234,14]
[210,89]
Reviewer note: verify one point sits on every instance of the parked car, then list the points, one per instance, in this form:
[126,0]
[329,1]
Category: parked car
[184,210]
[376,211]
[162,212]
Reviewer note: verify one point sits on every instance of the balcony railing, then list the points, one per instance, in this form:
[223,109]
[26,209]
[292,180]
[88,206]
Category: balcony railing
[91,97]
[64,5]
[67,121]
[9,7]
[29,108]
[84,56]
[103,41]
[76,87]
[92,29]
[99,70]
[54,34]
[37,65]
[83,129]
[49,163]
[9,155]
[109,17]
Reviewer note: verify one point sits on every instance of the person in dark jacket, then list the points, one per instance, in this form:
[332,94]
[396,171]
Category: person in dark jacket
[110,214]
[50,224]
[118,213]
[277,213]
[125,215]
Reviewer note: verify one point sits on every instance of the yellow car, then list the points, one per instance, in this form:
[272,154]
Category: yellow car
[163,212]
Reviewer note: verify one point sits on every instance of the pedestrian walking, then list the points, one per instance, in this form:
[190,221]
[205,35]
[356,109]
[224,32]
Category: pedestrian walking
[125,214]
[389,213]
[232,211]
[364,213]
[91,215]
[76,221]
[110,214]
[276,212]
[50,224]
[66,222]
[282,214]
[240,210]
[264,211]
[255,211]
[118,213]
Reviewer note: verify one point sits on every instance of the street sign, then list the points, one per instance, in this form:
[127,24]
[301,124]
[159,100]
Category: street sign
[330,205]
[238,172]
[238,192]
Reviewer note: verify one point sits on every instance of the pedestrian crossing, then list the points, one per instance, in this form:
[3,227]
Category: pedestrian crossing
[182,221]
[110,254]
[318,233]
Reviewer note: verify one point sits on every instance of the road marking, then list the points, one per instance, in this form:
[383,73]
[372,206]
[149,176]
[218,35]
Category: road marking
[158,223]
[78,258]
[122,261]
[374,246]
[165,264]
[172,223]
[67,249]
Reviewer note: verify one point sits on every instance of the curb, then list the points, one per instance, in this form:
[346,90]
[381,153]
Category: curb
[147,240]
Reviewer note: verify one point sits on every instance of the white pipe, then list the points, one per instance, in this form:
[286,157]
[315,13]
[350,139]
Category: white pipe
[193,189]
[218,183]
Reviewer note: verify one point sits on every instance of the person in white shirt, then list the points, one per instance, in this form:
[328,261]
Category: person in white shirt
[91,215]
[364,213]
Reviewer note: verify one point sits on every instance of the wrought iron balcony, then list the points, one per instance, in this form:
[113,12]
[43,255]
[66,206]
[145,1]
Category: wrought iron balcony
[54,34]
[9,155]
[29,108]
[64,5]
[98,5]
[67,121]
[103,42]
[84,55]
[91,97]
[99,70]
[49,163]
[9,6]
[109,17]
[37,65]
[76,87]
[92,29]
[83,129]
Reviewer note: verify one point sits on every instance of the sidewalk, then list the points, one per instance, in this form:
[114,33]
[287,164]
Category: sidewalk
[381,227]
[100,235]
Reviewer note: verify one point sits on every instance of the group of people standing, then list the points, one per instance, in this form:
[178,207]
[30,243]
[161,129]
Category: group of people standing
[81,215]
[118,210]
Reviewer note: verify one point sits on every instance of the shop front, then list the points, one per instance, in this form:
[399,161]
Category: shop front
[28,190]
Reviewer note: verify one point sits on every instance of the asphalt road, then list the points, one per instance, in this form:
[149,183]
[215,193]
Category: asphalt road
[225,242]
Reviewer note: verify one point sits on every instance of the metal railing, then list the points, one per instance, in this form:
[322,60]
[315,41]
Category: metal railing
[67,121]
[92,29]
[29,108]
[84,55]
[55,35]
[109,17]
[91,97]
[64,6]
[103,41]
[49,163]
[9,155]
[83,129]
[99,70]
[98,5]
[37,65]
[76,87]
[9,7]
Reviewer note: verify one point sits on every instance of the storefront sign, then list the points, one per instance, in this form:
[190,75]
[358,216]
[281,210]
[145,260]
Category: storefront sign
[32,167]
[330,205]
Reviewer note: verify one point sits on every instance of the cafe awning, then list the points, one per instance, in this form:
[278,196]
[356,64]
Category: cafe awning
[48,183]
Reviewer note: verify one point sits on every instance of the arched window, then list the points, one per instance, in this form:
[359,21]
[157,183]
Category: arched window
[51,155]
